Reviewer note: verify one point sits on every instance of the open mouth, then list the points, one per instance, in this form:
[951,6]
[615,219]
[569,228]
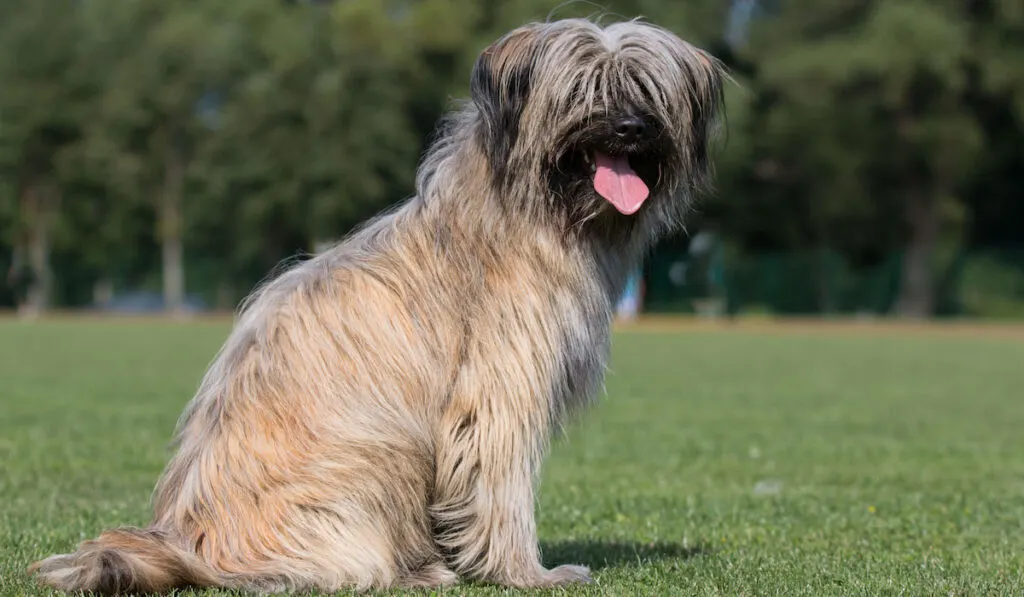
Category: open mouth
[616,181]
[597,166]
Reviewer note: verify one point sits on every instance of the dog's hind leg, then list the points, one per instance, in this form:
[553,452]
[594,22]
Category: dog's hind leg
[432,575]
[489,448]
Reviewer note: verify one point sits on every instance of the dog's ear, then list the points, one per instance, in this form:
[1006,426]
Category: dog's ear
[500,87]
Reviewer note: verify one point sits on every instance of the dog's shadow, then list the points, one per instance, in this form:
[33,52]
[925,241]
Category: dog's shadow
[609,554]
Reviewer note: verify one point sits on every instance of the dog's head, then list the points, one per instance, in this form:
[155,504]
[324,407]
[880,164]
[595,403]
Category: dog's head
[602,124]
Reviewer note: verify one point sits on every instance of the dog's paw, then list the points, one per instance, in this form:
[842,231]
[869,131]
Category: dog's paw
[430,576]
[567,575]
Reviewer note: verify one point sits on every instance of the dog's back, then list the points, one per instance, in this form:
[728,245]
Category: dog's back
[309,443]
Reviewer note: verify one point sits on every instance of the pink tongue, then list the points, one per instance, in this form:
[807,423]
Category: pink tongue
[616,181]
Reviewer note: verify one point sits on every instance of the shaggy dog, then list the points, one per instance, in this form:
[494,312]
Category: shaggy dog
[378,416]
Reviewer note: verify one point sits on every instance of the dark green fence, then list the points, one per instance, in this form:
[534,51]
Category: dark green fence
[986,284]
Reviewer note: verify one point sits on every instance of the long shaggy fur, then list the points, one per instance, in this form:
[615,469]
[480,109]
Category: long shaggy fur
[378,415]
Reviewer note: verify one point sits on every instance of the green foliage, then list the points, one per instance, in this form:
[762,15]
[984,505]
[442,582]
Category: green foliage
[311,138]
[253,131]
[994,286]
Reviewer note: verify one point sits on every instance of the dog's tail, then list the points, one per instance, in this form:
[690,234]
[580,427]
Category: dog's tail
[125,560]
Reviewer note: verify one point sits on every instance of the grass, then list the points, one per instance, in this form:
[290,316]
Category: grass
[720,463]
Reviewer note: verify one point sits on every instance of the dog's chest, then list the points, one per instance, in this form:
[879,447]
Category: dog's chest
[580,327]
[584,354]
[548,313]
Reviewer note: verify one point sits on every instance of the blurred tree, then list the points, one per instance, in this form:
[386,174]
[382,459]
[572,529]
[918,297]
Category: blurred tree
[996,205]
[311,138]
[250,131]
[156,60]
[44,99]
[862,105]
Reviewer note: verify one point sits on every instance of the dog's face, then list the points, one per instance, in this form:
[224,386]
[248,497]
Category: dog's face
[601,123]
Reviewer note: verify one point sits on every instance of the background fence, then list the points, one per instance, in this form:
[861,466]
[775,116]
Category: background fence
[984,284]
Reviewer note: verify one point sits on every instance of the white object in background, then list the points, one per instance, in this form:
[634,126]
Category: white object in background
[630,303]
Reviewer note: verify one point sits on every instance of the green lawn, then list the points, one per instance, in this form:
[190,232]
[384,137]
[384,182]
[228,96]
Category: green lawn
[718,463]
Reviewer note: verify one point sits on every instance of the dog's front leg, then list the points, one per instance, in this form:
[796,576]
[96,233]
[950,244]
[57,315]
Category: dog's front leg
[490,445]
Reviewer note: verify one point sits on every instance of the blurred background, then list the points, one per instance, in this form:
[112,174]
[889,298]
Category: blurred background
[164,155]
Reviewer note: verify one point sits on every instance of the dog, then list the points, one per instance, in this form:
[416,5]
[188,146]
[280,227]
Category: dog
[378,415]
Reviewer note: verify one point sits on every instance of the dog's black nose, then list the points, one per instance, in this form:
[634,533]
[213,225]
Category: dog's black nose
[631,128]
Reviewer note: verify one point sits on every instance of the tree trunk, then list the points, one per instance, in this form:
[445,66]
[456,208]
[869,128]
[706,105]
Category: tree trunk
[226,298]
[38,202]
[826,301]
[102,291]
[172,249]
[921,211]
[917,286]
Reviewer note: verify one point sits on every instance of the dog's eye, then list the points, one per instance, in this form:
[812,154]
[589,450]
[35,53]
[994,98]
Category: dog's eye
[643,89]
[576,91]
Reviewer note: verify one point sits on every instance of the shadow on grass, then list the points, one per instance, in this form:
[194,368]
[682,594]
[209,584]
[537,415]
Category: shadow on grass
[608,554]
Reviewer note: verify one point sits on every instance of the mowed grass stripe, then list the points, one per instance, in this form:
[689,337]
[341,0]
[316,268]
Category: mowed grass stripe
[717,464]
